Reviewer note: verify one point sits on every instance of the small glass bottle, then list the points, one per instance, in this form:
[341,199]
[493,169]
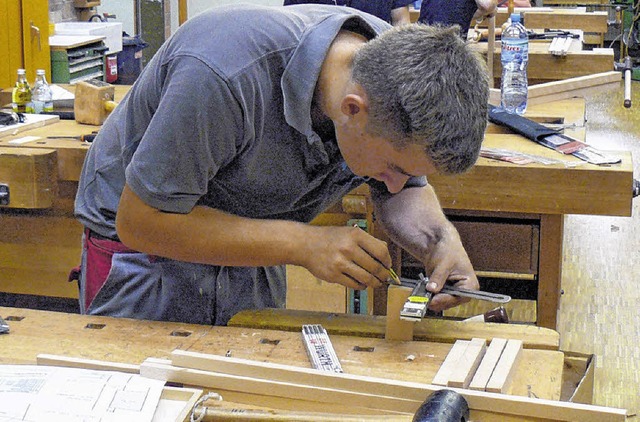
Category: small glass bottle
[21,94]
[42,96]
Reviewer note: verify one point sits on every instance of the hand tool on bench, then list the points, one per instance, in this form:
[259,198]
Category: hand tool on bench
[84,138]
[550,138]
[416,305]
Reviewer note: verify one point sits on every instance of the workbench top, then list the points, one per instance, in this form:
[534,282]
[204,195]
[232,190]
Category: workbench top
[132,341]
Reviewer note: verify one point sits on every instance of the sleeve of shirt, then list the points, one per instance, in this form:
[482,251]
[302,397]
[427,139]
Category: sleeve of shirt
[401,3]
[195,130]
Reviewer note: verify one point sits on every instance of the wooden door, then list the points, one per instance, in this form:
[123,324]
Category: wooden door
[24,39]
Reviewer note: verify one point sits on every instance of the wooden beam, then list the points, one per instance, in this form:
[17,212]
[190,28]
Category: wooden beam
[396,328]
[71,362]
[490,360]
[567,88]
[449,365]
[504,370]
[430,329]
[392,395]
[468,363]
[268,387]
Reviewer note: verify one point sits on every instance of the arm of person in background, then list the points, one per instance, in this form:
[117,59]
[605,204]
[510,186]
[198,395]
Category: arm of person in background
[414,220]
[486,9]
[400,16]
[343,255]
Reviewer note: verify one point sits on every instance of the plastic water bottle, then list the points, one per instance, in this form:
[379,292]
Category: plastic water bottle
[21,94]
[42,96]
[514,56]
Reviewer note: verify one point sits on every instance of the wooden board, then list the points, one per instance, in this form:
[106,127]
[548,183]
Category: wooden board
[32,121]
[430,329]
[30,175]
[131,341]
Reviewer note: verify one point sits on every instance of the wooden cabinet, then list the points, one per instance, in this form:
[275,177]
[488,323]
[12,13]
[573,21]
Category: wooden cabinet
[24,39]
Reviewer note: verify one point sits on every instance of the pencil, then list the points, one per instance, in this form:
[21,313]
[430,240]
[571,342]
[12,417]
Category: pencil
[394,276]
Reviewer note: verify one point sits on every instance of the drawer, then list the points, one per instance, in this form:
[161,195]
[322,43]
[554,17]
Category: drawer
[503,245]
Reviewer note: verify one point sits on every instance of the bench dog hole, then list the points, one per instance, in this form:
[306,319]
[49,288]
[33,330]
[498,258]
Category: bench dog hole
[363,349]
[14,318]
[95,326]
[267,341]
[179,333]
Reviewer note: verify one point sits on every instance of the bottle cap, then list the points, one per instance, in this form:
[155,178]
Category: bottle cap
[515,18]
[21,72]
[40,72]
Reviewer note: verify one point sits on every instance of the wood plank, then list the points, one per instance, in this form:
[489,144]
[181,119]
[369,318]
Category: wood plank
[449,365]
[468,364]
[505,368]
[550,271]
[483,401]
[567,88]
[543,66]
[548,18]
[430,329]
[71,362]
[266,387]
[490,360]
[396,328]
[32,121]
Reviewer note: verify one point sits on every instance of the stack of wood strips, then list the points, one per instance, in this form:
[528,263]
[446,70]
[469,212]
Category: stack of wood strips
[363,394]
[470,364]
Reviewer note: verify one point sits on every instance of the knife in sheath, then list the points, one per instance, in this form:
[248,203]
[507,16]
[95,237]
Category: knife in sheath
[550,138]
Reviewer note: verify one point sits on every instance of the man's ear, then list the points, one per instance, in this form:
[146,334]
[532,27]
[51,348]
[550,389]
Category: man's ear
[352,105]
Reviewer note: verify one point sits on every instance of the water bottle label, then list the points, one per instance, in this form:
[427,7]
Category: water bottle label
[515,51]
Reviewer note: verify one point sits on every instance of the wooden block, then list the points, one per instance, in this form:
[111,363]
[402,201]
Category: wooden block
[31,175]
[488,364]
[450,362]
[397,329]
[468,363]
[93,102]
[504,370]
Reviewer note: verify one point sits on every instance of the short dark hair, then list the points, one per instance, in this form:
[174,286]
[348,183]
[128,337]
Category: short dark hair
[426,86]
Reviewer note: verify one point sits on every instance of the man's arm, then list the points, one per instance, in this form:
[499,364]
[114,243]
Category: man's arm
[414,220]
[343,255]
[400,16]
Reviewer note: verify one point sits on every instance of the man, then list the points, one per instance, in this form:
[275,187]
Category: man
[198,188]
[395,12]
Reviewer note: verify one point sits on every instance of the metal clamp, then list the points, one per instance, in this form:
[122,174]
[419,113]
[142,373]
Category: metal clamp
[5,196]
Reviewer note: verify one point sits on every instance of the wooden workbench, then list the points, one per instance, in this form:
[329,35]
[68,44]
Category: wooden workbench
[126,341]
[38,248]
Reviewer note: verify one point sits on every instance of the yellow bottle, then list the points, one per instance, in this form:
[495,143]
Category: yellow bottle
[21,95]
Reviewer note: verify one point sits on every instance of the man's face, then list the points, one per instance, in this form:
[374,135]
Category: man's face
[367,155]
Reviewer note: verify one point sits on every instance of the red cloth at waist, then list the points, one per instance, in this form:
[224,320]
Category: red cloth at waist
[99,253]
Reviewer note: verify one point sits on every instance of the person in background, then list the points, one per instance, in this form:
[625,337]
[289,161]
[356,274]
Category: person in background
[200,185]
[395,12]
[456,12]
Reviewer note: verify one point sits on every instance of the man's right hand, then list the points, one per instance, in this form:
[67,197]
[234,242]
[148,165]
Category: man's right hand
[346,255]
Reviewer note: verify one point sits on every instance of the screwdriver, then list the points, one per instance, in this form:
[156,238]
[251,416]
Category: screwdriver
[84,138]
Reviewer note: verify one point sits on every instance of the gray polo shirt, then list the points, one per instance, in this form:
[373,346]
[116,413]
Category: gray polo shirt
[220,117]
